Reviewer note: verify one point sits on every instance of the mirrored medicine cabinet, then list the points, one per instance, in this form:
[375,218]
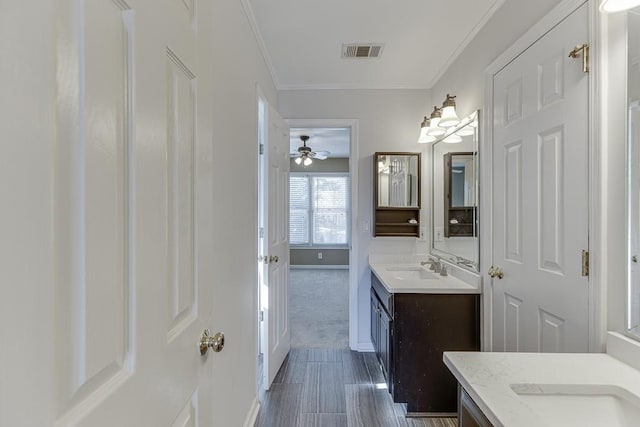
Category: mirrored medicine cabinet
[396,189]
[455,184]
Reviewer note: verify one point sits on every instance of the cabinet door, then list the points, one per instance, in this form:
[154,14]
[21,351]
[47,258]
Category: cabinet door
[385,344]
[375,330]
[469,415]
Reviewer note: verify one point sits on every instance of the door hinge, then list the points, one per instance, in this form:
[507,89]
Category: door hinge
[584,48]
[261,148]
[261,232]
[585,263]
[262,315]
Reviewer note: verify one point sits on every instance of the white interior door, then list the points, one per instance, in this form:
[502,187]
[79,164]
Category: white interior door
[277,341]
[540,203]
[126,216]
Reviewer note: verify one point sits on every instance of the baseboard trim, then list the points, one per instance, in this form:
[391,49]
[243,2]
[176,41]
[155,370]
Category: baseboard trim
[252,416]
[319,267]
[365,347]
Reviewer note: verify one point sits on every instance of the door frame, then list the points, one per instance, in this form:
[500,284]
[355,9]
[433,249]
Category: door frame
[353,209]
[597,295]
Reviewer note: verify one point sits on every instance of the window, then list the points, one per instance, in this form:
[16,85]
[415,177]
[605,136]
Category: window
[318,209]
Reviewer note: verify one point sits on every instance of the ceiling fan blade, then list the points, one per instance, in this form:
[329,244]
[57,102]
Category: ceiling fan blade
[321,155]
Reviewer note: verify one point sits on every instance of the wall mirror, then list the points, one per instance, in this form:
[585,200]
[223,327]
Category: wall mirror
[454,207]
[397,180]
[633,169]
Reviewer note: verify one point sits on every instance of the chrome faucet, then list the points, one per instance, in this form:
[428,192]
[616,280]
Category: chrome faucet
[434,265]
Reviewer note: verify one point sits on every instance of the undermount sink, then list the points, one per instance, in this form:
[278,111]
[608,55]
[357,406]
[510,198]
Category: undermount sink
[411,273]
[581,404]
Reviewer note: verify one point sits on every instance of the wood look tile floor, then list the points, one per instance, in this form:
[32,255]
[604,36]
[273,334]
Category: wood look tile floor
[334,388]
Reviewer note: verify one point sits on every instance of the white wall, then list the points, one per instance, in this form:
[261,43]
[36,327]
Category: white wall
[465,77]
[238,67]
[388,120]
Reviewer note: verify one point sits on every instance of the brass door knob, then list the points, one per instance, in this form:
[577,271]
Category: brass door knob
[273,258]
[216,342]
[495,272]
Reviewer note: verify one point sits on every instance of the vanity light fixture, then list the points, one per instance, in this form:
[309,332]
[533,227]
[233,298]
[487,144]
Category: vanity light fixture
[435,129]
[466,131]
[611,6]
[424,130]
[449,116]
[454,138]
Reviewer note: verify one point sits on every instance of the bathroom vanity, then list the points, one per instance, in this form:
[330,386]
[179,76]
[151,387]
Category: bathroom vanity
[417,314]
[550,389]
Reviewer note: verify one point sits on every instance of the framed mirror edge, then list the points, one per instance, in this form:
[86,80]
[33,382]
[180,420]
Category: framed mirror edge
[632,181]
[470,265]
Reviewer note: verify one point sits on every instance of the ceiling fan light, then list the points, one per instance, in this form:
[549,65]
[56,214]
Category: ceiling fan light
[449,117]
[611,6]
[307,161]
[298,160]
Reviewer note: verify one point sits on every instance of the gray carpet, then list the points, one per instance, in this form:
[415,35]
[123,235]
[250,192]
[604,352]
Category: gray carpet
[319,308]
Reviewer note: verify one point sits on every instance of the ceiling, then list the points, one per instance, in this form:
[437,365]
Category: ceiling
[302,40]
[333,140]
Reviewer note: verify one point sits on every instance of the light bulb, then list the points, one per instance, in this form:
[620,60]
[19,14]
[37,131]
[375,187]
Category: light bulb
[611,6]
[452,139]
[307,161]
[424,128]
[466,131]
[434,129]
[426,138]
[298,160]
[449,117]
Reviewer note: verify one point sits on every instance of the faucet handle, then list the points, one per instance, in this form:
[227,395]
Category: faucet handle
[443,270]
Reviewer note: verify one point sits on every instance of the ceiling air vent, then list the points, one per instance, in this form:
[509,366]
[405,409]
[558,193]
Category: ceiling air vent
[355,50]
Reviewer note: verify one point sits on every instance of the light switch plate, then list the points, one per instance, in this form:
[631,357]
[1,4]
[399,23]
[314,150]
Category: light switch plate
[438,234]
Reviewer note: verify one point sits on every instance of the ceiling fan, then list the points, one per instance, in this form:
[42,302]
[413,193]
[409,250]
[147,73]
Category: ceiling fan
[305,154]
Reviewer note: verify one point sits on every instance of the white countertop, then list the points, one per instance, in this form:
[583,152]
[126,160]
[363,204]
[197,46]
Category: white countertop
[388,273]
[488,379]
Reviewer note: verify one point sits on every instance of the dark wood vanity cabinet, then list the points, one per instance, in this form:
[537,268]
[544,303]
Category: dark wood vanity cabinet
[410,332]
[469,414]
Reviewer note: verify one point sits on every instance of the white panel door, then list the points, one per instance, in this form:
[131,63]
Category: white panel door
[540,187]
[276,238]
[129,219]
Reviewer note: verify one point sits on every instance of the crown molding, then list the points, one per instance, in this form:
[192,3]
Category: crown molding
[341,86]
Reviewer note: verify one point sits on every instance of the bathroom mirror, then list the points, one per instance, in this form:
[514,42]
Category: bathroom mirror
[633,169]
[454,207]
[398,178]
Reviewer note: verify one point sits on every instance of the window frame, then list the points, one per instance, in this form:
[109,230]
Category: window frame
[311,244]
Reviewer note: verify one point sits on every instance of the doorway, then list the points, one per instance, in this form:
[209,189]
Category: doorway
[319,233]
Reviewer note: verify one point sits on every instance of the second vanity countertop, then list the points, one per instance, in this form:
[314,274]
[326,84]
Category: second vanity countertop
[497,383]
[413,278]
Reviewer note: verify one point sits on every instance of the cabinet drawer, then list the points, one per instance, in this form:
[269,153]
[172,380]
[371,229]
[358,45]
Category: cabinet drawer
[386,298]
